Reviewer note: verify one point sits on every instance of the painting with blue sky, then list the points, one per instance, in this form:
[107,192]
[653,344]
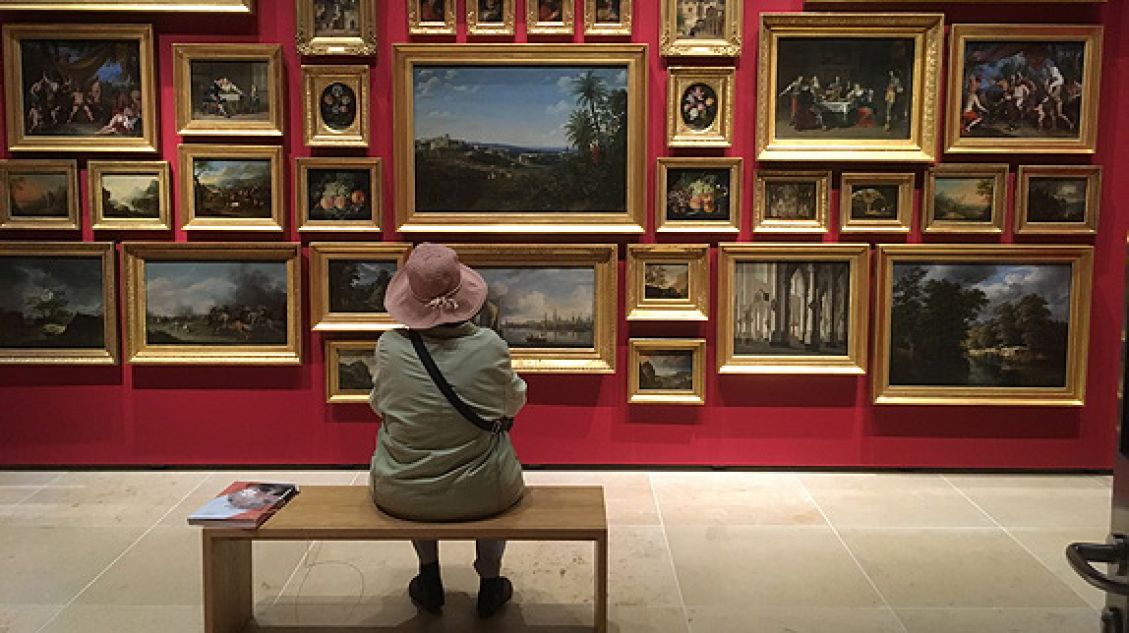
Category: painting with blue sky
[540,307]
[228,188]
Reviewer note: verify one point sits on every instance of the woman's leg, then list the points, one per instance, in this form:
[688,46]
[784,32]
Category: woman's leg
[427,551]
[488,560]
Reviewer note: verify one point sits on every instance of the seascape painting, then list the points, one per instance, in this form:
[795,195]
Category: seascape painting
[355,368]
[1057,199]
[338,194]
[131,196]
[666,281]
[358,286]
[231,188]
[698,194]
[540,307]
[237,90]
[791,308]
[980,324]
[701,19]
[790,200]
[666,370]
[52,303]
[874,201]
[215,303]
[963,199]
[38,194]
[336,18]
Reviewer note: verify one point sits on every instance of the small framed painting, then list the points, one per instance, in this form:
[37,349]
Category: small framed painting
[349,369]
[58,303]
[163,6]
[666,371]
[549,17]
[231,188]
[668,282]
[965,198]
[700,28]
[699,105]
[347,284]
[792,202]
[607,17]
[1058,199]
[431,17]
[875,202]
[129,195]
[335,110]
[338,194]
[228,89]
[698,195]
[214,303]
[490,17]
[39,194]
[335,27]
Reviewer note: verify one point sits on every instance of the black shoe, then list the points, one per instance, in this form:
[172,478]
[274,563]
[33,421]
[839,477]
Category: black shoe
[492,594]
[426,589]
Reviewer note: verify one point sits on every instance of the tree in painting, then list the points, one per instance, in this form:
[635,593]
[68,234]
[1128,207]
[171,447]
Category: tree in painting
[50,302]
[358,286]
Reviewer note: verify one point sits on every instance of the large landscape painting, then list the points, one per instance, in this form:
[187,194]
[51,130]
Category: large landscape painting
[52,302]
[540,307]
[791,308]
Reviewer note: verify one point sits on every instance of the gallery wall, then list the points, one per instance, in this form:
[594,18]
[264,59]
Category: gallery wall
[130,414]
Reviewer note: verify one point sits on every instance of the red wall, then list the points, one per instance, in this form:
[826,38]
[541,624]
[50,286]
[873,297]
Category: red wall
[217,415]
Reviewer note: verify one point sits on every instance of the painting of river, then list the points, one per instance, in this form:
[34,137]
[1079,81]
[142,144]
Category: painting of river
[543,306]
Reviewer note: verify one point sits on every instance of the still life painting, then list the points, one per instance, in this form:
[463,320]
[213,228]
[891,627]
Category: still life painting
[698,195]
[338,194]
[335,111]
[699,107]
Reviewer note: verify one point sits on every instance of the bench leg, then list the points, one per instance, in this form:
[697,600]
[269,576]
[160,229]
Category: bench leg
[227,584]
[601,614]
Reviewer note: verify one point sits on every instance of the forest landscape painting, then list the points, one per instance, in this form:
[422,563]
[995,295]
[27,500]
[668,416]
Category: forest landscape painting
[52,302]
[358,286]
[355,368]
[540,307]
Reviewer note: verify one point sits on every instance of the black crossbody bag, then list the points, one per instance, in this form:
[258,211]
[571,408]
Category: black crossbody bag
[501,425]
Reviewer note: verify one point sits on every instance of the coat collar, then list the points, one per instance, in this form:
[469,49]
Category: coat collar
[446,332]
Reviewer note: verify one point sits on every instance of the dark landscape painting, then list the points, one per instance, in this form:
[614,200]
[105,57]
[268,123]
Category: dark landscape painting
[52,302]
[701,19]
[791,308]
[512,139]
[984,325]
[666,281]
[339,194]
[790,200]
[231,90]
[540,307]
[355,368]
[41,195]
[131,196]
[358,285]
[232,188]
[872,201]
[844,88]
[1056,199]
[83,88]
[963,199]
[215,303]
[697,194]
[336,18]
[666,370]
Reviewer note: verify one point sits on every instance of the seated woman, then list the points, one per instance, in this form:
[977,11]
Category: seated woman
[432,463]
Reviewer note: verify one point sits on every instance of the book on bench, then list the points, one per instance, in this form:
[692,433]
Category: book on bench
[244,504]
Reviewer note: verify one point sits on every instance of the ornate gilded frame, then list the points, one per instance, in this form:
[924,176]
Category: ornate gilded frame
[1088,226]
[183,57]
[631,220]
[334,393]
[191,221]
[138,351]
[19,141]
[849,181]
[819,224]
[593,27]
[927,31]
[997,171]
[696,305]
[476,28]
[72,222]
[311,45]
[97,169]
[316,133]
[418,26]
[1089,35]
[1072,394]
[720,132]
[639,346]
[108,353]
[302,167]
[165,6]
[322,317]
[851,363]
[602,259]
[534,26]
[663,166]
[728,45]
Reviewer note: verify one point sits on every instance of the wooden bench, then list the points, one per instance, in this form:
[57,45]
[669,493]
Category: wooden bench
[346,513]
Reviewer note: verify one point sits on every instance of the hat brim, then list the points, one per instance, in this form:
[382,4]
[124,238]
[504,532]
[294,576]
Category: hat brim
[406,309]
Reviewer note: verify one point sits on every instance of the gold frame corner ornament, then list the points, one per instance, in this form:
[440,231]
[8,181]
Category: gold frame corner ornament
[1089,224]
[310,44]
[694,307]
[315,131]
[728,45]
[96,170]
[720,132]
[188,153]
[183,57]
[995,225]
[696,395]
[322,316]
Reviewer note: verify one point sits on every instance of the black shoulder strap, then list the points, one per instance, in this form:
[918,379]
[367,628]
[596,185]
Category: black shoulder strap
[498,426]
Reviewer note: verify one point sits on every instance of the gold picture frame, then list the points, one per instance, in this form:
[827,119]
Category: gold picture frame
[229,100]
[335,392]
[722,35]
[871,189]
[361,41]
[335,111]
[530,353]
[932,222]
[420,22]
[223,332]
[1045,225]
[623,65]
[646,386]
[223,217]
[111,129]
[716,184]
[597,12]
[164,6]
[767,323]
[351,174]
[963,136]
[328,260]
[560,21]
[50,297]
[694,116]
[13,182]
[477,26]
[653,296]
[1006,268]
[769,201]
[100,196]
[898,132]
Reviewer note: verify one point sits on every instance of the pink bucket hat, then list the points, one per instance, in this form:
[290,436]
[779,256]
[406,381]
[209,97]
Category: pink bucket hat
[433,288]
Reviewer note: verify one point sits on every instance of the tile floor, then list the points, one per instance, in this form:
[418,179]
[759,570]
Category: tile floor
[94,552]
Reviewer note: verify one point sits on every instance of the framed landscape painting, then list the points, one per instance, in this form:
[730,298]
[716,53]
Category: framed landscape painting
[668,282]
[349,369]
[216,303]
[1058,199]
[792,202]
[39,195]
[700,28]
[335,27]
[699,107]
[129,195]
[80,87]
[554,304]
[848,86]
[231,188]
[228,89]
[880,202]
[431,17]
[1030,88]
[666,371]
[607,17]
[793,308]
[348,282]
[490,17]
[549,17]
[338,194]
[545,138]
[335,111]
[965,198]
[698,195]
[982,324]
[58,303]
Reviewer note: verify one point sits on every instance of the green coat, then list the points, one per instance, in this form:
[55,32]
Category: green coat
[432,464]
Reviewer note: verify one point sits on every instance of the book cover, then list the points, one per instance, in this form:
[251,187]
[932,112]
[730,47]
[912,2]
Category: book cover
[244,504]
